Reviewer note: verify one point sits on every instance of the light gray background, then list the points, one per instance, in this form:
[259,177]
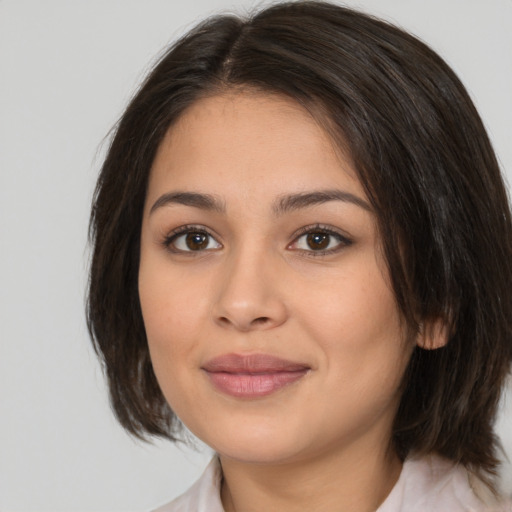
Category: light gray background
[67,68]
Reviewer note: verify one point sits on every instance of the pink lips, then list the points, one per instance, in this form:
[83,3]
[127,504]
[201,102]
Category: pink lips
[252,376]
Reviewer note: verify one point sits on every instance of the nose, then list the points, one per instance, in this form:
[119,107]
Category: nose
[249,295]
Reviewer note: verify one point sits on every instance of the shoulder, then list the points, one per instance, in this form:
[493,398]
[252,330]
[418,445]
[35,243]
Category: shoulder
[203,496]
[434,483]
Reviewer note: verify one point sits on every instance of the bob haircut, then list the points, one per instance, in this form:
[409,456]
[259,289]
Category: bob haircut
[421,153]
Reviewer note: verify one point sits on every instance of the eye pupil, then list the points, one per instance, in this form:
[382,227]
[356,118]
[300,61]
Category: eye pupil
[196,241]
[317,241]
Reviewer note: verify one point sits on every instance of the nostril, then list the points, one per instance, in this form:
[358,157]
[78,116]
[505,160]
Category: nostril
[260,320]
[242,325]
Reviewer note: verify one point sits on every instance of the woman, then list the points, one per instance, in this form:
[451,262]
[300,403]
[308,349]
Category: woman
[303,252]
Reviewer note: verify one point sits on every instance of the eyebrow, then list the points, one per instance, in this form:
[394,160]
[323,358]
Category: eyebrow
[284,204]
[293,202]
[194,199]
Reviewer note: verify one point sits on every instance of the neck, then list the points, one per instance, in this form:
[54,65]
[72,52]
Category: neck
[334,481]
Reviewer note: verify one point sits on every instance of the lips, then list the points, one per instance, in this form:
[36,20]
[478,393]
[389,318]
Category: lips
[254,375]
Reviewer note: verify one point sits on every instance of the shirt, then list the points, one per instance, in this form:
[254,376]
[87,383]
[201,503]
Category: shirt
[428,484]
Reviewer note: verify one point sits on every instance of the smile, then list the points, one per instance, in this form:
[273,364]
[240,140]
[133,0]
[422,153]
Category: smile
[252,376]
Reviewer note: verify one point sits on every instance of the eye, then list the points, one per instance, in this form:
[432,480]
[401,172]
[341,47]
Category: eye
[320,240]
[190,239]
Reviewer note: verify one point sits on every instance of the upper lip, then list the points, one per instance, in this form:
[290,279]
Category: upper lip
[252,363]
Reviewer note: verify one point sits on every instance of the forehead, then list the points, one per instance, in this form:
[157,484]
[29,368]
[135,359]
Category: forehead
[252,144]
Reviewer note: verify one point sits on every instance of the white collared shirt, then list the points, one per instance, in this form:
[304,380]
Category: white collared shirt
[428,484]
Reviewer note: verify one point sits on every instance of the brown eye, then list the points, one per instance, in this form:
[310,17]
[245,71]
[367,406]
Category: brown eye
[196,241]
[191,240]
[318,241]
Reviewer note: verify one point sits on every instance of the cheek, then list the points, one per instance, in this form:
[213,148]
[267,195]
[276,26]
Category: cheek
[169,296]
[358,326]
[170,312]
[363,349]
[170,328]
[350,305]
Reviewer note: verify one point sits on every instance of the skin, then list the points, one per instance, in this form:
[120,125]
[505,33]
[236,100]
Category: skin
[257,287]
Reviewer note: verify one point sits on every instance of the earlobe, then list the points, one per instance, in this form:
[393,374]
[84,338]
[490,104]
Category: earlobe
[433,334]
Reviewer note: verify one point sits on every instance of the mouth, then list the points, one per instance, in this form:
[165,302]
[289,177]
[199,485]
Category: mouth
[254,375]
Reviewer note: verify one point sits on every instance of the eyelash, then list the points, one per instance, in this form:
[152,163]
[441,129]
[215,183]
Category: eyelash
[171,238]
[344,241]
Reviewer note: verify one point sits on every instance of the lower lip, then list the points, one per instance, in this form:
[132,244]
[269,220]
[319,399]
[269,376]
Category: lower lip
[247,385]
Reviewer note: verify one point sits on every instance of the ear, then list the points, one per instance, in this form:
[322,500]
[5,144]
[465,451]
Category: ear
[433,334]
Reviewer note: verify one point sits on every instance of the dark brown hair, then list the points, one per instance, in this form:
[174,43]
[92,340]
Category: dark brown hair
[429,170]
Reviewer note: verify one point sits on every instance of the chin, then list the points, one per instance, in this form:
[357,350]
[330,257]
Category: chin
[257,443]
[258,453]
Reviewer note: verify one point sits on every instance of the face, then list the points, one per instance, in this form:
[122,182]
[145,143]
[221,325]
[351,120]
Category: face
[272,326]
